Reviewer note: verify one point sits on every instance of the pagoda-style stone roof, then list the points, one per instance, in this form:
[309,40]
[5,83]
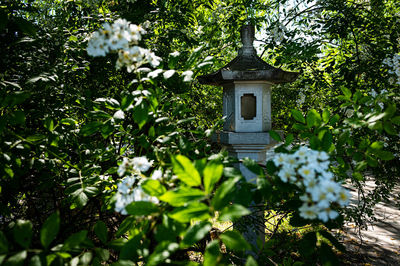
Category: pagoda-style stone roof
[247,66]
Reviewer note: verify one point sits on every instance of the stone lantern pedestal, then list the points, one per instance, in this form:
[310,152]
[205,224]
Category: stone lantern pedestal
[247,82]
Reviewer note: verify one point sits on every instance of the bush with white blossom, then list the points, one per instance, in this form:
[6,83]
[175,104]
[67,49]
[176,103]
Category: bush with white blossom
[309,170]
[129,189]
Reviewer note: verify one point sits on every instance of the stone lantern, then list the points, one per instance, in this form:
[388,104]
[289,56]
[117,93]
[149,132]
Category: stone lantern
[246,82]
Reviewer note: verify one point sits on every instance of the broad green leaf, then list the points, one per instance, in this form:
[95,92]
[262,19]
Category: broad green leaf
[195,233]
[212,174]
[141,208]
[91,128]
[50,229]
[162,252]
[231,213]
[308,244]
[22,232]
[102,254]
[17,259]
[86,258]
[153,187]
[35,261]
[273,134]
[212,256]
[396,120]
[289,139]
[224,193]
[3,243]
[327,141]
[377,145]
[100,229]
[313,118]
[75,240]
[235,241]
[186,171]
[25,26]
[251,261]
[334,119]
[253,166]
[326,115]
[182,196]
[36,138]
[80,198]
[195,210]
[384,155]
[389,128]
[68,121]
[49,124]
[141,114]
[298,116]
[347,93]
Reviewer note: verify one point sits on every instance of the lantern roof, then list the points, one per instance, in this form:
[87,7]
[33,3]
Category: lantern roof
[247,66]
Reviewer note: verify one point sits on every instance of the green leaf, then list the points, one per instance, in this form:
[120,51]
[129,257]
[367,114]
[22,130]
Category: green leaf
[275,136]
[333,240]
[212,256]
[224,193]
[80,198]
[195,233]
[251,261]
[141,114]
[91,128]
[102,254]
[313,118]
[100,229]
[153,187]
[75,240]
[384,155]
[194,210]
[289,139]
[307,244]
[3,23]
[17,259]
[298,116]
[231,213]
[86,258]
[253,166]
[396,120]
[347,93]
[334,119]
[50,229]
[212,174]
[3,244]
[68,121]
[327,141]
[389,128]
[49,124]
[22,232]
[235,241]
[36,138]
[186,171]
[25,26]
[141,208]
[326,115]
[182,196]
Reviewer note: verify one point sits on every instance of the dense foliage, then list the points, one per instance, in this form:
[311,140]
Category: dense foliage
[103,165]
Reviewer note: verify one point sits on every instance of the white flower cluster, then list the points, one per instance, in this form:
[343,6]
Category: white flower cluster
[123,37]
[129,192]
[278,32]
[129,189]
[309,170]
[394,67]
[136,165]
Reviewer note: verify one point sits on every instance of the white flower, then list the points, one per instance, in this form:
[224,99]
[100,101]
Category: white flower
[157,174]
[119,115]
[187,76]
[141,164]
[286,174]
[330,188]
[343,197]
[308,212]
[154,73]
[327,214]
[122,167]
[279,159]
[175,54]
[291,161]
[169,73]
[306,171]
